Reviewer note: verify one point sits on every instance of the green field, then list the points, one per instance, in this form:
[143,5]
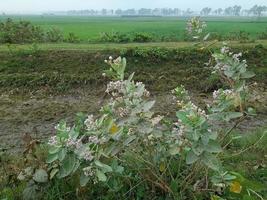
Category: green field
[89,28]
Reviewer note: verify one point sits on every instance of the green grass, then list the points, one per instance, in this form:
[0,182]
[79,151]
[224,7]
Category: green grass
[251,164]
[57,66]
[89,28]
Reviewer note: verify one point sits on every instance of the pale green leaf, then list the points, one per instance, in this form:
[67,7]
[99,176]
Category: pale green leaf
[84,180]
[101,176]
[40,176]
[191,157]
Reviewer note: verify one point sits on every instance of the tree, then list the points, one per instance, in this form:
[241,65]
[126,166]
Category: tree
[118,12]
[176,11]
[236,10]
[218,11]
[104,12]
[188,12]
[205,11]
[156,11]
[129,12]
[258,10]
[144,11]
[228,11]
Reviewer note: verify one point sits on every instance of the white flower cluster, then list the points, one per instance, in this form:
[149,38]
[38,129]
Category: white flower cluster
[88,171]
[87,155]
[225,50]
[192,107]
[73,143]
[226,93]
[179,129]
[58,127]
[115,87]
[53,141]
[111,61]
[195,26]
[146,93]
[122,112]
[237,56]
[155,121]
[223,65]
[90,123]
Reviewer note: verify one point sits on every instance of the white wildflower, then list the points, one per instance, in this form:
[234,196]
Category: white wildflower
[88,171]
[90,123]
[52,141]
[156,120]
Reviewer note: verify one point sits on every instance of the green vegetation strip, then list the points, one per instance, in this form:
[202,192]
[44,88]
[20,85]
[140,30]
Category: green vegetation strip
[111,46]
[161,69]
[90,28]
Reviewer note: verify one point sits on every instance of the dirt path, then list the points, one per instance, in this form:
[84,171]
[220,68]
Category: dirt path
[38,114]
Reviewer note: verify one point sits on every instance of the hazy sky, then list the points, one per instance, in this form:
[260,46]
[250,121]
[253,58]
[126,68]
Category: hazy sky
[61,5]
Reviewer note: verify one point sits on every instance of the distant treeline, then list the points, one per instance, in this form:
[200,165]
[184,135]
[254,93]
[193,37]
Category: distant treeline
[236,10]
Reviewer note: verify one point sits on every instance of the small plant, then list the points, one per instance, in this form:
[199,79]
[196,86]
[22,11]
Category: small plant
[115,37]
[196,27]
[142,37]
[241,36]
[54,35]
[20,32]
[127,147]
[72,38]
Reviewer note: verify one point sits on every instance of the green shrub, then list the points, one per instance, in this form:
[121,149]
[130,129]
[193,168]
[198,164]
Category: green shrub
[142,37]
[241,36]
[115,37]
[54,35]
[72,38]
[263,35]
[20,32]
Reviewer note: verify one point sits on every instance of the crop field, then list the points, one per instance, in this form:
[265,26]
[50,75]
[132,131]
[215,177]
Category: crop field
[89,28]
[158,108]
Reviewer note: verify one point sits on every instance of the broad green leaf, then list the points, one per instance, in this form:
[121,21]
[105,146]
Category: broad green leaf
[67,166]
[61,154]
[247,75]
[119,169]
[101,176]
[84,180]
[73,133]
[174,150]
[30,192]
[229,73]
[148,105]
[198,149]
[51,158]
[76,167]
[40,176]
[191,158]
[213,135]
[105,168]
[182,116]
[53,150]
[211,161]
[53,173]
[213,147]
[232,115]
